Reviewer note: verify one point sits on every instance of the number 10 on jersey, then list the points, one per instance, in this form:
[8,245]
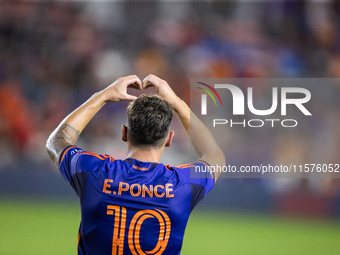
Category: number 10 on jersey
[134,230]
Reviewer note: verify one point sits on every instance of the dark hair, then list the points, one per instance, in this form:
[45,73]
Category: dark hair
[148,121]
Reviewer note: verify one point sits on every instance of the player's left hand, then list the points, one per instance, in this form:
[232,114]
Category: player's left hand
[117,91]
[163,90]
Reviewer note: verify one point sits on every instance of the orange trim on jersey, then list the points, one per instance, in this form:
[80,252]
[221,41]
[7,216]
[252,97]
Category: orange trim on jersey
[180,166]
[79,235]
[63,156]
[184,166]
[93,154]
[211,173]
[191,165]
[140,168]
[101,156]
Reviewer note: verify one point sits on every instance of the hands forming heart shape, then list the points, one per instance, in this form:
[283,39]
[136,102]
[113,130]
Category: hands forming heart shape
[117,91]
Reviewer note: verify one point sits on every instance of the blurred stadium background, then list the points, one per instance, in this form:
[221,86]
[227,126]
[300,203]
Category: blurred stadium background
[55,54]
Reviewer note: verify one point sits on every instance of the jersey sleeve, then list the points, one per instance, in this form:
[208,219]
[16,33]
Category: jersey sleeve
[75,164]
[200,178]
[68,162]
[200,174]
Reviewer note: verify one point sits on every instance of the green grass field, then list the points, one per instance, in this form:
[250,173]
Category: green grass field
[50,227]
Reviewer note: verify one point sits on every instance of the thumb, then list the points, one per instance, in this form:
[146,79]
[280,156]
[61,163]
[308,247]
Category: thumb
[130,97]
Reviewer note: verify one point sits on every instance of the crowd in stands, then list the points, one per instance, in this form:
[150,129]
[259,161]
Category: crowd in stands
[56,54]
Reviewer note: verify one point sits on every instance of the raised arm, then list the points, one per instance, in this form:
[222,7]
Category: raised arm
[70,128]
[204,144]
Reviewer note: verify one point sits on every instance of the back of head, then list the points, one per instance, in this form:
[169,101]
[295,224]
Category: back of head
[148,121]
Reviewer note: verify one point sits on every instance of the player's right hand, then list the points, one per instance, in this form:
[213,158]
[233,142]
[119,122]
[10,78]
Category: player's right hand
[117,91]
[163,90]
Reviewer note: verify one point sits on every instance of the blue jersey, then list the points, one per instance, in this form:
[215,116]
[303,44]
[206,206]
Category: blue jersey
[129,206]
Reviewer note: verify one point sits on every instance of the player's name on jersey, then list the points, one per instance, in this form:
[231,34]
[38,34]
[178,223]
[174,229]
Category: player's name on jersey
[137,189]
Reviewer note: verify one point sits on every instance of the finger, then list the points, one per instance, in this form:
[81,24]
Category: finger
[150,80]
[135,86]
[147,85]
[129,97]
[133,79]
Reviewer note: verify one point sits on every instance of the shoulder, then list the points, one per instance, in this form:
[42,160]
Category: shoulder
[192,172]
[74,159]
[199,175]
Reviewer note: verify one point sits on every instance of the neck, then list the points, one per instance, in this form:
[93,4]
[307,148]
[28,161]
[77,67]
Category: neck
[145,154]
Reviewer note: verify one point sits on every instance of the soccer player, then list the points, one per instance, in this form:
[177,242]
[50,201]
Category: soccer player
[136,205]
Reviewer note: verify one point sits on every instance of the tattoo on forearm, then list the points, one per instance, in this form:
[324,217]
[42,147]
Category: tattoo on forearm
[65,135]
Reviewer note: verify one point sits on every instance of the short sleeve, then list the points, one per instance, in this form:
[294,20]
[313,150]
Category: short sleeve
[68,162]
[74,160]
[75,165]
[199,177]
[198,173]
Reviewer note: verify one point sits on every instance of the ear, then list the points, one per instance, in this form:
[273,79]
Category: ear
[124,133]
[170,136]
